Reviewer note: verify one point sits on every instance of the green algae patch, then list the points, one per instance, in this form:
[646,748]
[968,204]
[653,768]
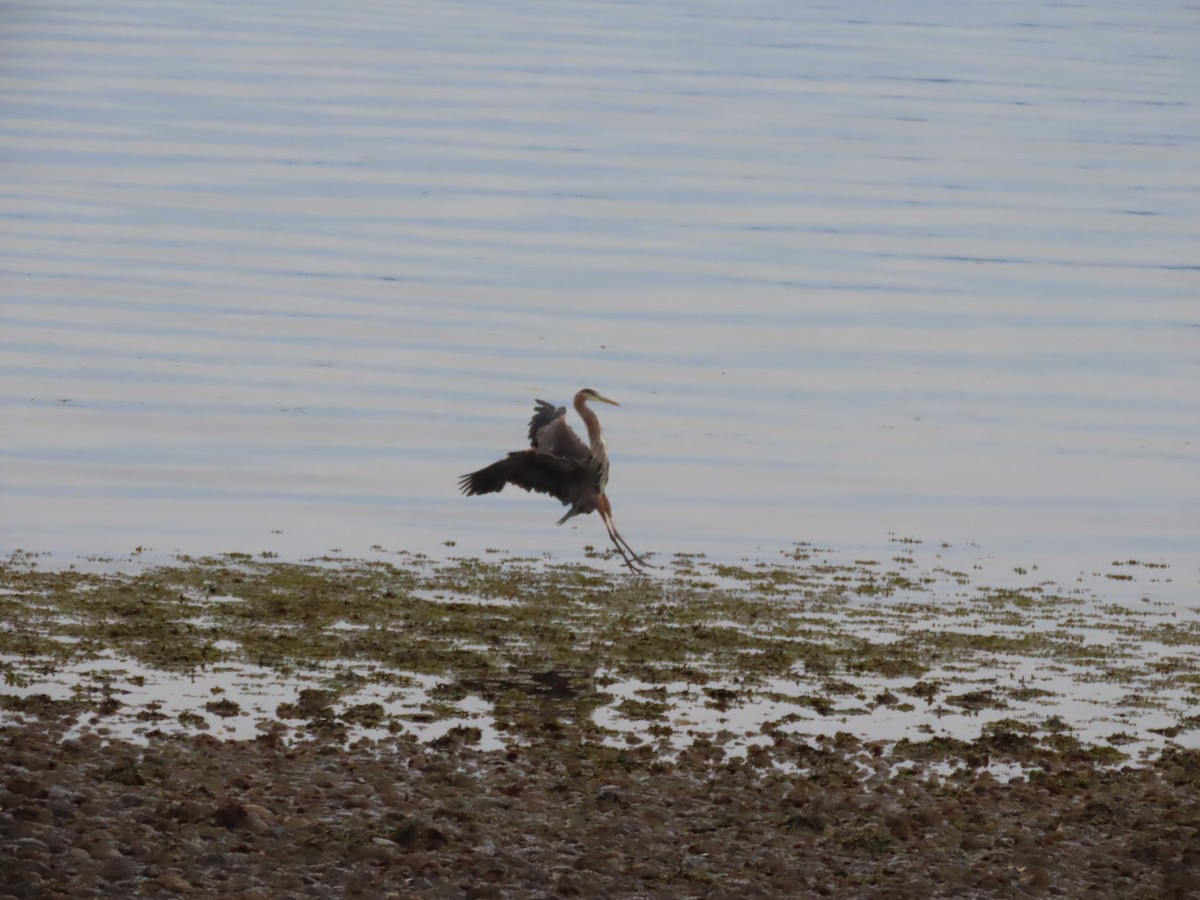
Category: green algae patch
[537,651]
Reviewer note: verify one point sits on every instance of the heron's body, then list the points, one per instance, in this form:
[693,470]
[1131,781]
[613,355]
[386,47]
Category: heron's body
[558,463]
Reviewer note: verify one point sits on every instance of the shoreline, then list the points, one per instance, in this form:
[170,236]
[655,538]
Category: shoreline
[513,727]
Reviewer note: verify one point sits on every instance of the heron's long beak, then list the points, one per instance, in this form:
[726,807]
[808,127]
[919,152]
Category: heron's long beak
[606,400]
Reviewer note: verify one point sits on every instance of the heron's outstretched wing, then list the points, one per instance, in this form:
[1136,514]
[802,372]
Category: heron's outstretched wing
[531,470]
[543,414]
[550,435]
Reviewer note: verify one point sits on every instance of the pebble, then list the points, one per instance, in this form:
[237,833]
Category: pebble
[275,820]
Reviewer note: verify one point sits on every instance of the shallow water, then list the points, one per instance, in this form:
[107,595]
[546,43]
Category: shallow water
[273,275]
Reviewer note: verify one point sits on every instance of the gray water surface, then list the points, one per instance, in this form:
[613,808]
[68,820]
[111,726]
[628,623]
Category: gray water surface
[272,275]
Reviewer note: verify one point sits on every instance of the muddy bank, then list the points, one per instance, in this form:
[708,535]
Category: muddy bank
[194,815]
[241,727]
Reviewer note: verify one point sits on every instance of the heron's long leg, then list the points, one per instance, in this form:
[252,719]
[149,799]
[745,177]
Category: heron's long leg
[621,544]
[633,567]
[606,517]
[616,535]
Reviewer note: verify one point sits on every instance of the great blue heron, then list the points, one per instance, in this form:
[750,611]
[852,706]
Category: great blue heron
[558,463]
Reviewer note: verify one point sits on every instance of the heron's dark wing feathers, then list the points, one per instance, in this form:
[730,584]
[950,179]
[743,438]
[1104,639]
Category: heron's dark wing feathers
[543,414]
[558,463]
[531,470]
[550,435]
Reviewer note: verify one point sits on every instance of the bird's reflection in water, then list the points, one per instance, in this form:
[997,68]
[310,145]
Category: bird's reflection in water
[539,703]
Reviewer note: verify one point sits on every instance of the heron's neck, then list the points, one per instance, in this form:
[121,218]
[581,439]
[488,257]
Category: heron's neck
[595,435]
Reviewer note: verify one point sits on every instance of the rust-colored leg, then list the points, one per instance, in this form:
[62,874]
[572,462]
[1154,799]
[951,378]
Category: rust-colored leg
[619,542]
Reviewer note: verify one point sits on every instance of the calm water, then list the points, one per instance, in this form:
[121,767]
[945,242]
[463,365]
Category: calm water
[274,274]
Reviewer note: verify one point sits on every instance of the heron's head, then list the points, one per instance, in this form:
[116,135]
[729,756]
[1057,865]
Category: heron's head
[588,394]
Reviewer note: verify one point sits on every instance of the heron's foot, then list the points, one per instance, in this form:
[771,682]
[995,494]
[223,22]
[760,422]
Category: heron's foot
[635,564]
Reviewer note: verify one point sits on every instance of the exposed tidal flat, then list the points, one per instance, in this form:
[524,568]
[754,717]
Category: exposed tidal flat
[513,726]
